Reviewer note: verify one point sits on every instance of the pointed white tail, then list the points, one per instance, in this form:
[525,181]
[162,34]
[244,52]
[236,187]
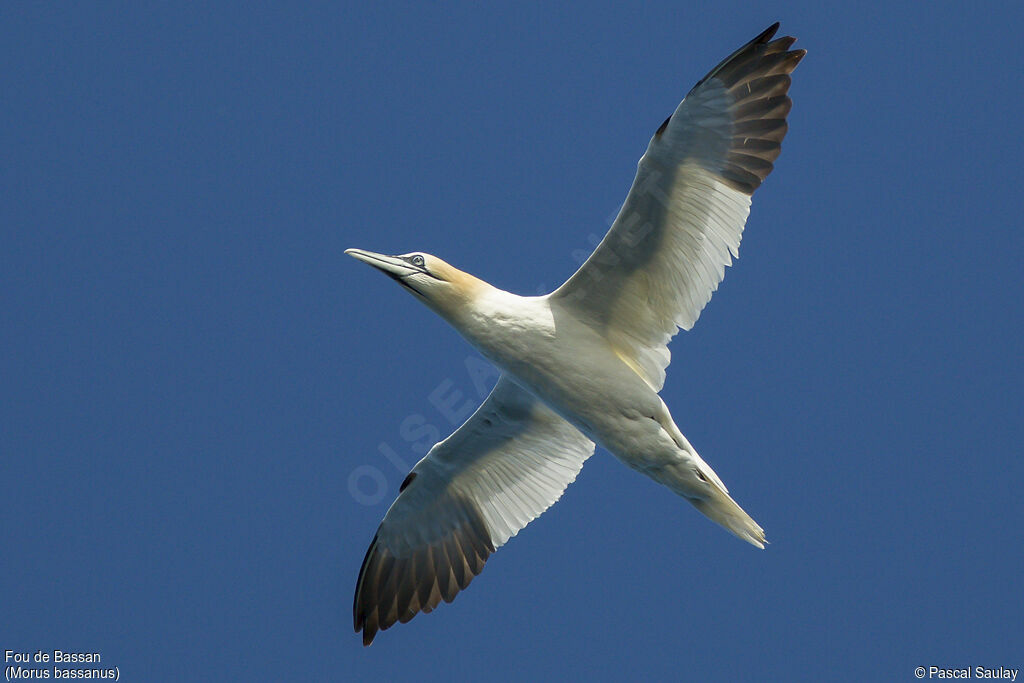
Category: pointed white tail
[721,508]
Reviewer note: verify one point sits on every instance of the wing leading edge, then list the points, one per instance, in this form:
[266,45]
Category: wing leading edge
[507,464]
[683,218]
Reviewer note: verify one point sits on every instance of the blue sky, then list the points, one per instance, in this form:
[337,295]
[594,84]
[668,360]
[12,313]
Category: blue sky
[202,399]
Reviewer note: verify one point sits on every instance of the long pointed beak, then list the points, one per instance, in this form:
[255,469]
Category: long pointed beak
[391,265]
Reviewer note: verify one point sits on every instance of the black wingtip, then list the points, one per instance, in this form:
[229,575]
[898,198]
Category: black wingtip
[662,127]
[767,34]
[761,39]
[358,619]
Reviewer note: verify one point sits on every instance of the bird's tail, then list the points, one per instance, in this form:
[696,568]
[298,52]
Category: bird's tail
[720,507]
[692,478]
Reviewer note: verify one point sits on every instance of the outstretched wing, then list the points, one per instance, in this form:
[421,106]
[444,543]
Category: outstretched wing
[681,223]
[507,464]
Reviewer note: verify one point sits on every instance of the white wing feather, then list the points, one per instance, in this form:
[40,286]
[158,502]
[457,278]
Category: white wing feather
[506,465]
[682,220]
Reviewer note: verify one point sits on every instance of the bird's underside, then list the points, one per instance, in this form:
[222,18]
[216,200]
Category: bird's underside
[584,363]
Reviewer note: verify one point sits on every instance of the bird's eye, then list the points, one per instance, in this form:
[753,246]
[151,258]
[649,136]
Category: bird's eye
[417,260]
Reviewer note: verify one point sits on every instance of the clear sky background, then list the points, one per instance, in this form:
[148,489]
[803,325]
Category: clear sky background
[202,399]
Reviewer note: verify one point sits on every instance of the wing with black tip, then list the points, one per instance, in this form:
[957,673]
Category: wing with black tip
[681,223]
[507,464]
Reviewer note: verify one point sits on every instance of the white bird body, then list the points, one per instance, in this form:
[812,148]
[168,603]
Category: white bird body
[585,363]
[563,361]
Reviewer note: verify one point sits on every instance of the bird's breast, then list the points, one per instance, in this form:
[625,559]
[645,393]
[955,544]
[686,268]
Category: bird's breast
[562,361]
[510,331]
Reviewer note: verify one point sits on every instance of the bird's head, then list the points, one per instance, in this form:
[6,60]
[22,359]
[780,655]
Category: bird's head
[442,287]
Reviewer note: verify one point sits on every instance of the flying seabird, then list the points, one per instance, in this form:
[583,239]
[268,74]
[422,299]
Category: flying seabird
[585,363]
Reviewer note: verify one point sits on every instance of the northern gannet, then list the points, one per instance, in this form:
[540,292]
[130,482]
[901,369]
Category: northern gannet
[585,363]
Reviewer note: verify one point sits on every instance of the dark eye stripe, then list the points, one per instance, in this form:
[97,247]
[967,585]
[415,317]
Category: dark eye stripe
[417,261]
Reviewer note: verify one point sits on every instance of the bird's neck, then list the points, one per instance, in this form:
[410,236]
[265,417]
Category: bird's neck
[454,302]
[502,325]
